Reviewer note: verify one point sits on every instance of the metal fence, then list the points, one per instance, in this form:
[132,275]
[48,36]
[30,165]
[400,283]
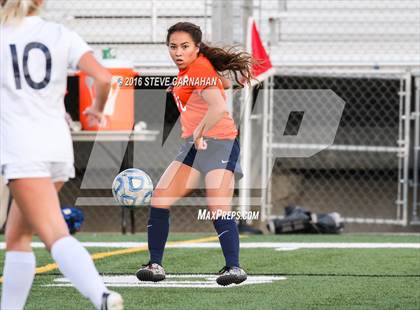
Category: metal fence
[365,174]
[416,152]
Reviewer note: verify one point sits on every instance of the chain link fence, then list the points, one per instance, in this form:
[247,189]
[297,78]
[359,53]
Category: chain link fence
[416,151]
[363,174]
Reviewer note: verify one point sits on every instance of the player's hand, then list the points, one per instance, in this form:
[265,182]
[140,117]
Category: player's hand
[94,117]
[199,142]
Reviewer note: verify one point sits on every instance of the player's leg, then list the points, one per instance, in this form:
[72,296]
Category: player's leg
[19,264]
[110,300]
[4,200]
[219,189]
[177,181]
[37,199]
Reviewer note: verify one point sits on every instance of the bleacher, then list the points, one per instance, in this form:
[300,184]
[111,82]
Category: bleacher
[301,32]
[344,32]
[136,30]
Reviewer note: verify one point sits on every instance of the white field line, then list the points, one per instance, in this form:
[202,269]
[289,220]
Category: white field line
[178,281]
[255,245]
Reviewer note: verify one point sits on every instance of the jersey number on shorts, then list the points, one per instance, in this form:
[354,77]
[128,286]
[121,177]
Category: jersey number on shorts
[28,48]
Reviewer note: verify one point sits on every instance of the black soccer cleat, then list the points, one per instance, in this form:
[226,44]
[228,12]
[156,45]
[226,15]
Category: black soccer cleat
[151,272]
[230,275]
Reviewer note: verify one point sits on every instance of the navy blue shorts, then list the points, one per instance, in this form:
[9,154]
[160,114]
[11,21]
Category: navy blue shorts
[220,154]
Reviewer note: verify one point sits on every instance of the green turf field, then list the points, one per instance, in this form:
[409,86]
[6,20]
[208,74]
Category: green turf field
[314,278]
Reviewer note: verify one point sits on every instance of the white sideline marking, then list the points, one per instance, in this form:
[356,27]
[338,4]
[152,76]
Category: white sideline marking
[254,245]
[175,281]
[307,245]
[286,249]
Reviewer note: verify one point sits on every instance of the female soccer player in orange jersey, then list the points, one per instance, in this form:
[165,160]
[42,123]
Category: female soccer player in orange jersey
[211,147]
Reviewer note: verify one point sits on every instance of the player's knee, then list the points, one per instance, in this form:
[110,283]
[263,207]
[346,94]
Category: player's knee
[51,235]
[52,231]
[160,199]
[19,242]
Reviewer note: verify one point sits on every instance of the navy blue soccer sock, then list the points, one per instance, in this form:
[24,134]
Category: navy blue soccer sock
[229,240]
[157,233]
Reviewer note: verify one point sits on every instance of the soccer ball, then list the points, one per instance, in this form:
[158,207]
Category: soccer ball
[132,187]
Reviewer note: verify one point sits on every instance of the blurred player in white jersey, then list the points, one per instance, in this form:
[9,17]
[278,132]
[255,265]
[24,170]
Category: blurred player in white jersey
[36,154]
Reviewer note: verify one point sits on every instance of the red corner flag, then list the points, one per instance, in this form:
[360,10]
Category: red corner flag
[255,46]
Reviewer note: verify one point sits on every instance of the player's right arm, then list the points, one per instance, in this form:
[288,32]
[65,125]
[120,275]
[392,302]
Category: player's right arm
[103,78]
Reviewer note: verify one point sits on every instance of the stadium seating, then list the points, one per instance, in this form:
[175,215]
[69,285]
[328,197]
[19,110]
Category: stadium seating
[345,32]
[303,32]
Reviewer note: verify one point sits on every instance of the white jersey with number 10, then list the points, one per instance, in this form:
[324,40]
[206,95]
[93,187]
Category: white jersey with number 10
[35,57]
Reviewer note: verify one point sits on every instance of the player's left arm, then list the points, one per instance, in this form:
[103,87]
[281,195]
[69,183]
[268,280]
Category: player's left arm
[216,110]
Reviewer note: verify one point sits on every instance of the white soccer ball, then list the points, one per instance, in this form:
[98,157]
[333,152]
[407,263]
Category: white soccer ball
[132,187]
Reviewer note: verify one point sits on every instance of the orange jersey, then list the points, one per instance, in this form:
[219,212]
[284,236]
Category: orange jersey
[192,107]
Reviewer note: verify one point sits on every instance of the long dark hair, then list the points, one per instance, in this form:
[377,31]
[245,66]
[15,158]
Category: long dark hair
[223,59]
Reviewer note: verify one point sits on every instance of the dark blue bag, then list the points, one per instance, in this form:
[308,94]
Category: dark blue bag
[74,218]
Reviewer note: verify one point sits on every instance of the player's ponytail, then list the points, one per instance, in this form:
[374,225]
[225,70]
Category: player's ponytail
[13,11]
[229,59]
[223,59]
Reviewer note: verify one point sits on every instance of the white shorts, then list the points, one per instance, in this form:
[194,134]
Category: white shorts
[57,171]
